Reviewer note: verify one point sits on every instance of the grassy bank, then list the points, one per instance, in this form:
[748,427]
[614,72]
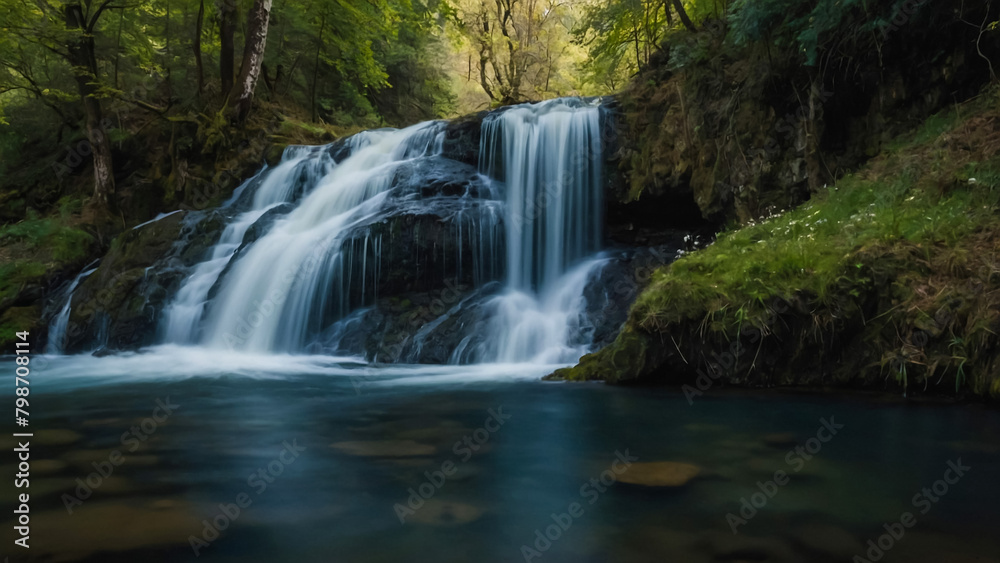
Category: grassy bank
[34,254]
[888,278]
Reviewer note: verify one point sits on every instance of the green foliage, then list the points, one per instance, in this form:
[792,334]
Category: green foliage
[64,242]
[14,275]
[621,36]
[915,232]
[809,27]
[348,61]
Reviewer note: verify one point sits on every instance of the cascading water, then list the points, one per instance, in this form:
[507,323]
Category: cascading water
[549,157]
[300,168]
[59,324]
[307,271]
[298,264]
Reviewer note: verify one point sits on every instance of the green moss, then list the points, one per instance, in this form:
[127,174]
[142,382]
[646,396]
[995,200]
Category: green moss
[15,275]
[810,249]
[630,356]
[910,241]
[14,320]
[65,243]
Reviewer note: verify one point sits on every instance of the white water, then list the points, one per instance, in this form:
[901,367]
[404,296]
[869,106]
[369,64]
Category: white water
[183,316]
[173,363]
[288,286]
[57,329]
[279,293]
[549,155]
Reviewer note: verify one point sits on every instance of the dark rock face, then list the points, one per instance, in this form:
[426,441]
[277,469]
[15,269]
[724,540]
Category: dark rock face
[422,327]
[462,135]
[118,306]
[261,225]
[432,327]
[611,291]
[741,135]
[441,224]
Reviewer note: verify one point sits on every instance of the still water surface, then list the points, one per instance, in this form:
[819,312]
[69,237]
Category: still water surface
[363,437]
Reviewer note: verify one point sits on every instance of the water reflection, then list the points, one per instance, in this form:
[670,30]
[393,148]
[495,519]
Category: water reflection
[364,451]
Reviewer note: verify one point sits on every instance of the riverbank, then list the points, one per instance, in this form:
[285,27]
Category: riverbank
[888,279]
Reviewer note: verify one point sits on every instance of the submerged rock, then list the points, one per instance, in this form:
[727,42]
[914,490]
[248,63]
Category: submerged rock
[385,448]
[435,512]
[660,474]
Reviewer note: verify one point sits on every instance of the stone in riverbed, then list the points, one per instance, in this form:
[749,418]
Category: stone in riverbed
[828,539]
[780,440]
[445,513]
[386,448]
[660,474]
[56,437]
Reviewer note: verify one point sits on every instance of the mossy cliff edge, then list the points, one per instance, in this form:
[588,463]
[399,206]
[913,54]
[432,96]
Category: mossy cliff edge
[884,273]
[887,279]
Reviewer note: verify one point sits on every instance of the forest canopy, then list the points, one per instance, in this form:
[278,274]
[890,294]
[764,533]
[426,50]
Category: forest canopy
[99,70]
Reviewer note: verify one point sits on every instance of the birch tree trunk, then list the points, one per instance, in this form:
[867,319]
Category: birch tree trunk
[227,31]
[84,61]
[253,57]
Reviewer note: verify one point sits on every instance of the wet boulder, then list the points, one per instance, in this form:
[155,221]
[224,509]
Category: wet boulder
[461,138]
[118,306]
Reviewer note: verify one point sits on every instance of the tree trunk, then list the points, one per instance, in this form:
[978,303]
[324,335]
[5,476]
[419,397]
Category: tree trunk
[253,57]
[118,44]
[315,77]
[199,70]
[81,52]
[684,15]
[166,62]
[483,80]
[227,30]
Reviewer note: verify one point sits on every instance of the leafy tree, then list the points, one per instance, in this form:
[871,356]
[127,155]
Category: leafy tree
[99,68]
[517,45]
[622,35]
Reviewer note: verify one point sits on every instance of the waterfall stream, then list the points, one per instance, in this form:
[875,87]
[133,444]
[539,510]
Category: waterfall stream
[391,237]
[539,188]
[59,324]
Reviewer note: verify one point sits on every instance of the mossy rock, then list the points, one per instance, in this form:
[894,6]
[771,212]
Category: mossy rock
[632,356]
[660,474]
[17,319]
[124,297]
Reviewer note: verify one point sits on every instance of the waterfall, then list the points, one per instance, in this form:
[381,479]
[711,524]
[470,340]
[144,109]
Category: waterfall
[304,252]
[549,157]
[297,278]
[300,168]
[57,329]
